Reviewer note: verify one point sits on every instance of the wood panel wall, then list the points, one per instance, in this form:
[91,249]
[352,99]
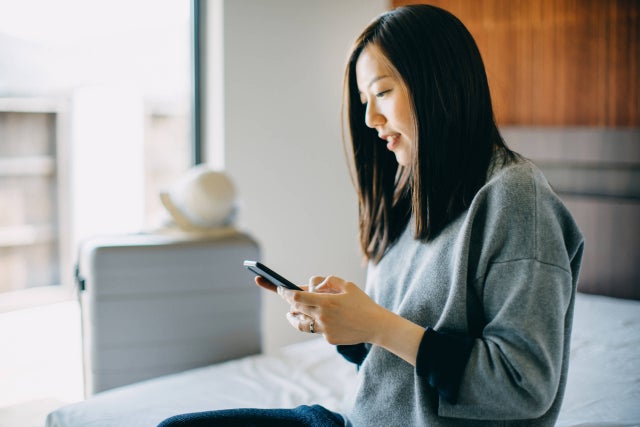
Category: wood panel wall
[557,62]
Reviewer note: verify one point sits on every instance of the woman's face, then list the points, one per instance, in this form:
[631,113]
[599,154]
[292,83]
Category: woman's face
[388,109]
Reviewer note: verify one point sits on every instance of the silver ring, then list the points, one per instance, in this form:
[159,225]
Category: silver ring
[312,325]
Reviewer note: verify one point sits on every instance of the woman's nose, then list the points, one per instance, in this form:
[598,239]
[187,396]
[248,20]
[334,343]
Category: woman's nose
[372,116]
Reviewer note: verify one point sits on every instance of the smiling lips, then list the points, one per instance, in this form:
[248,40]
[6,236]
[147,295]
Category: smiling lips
[392,140]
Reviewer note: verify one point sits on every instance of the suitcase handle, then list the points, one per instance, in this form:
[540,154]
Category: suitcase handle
[79,279]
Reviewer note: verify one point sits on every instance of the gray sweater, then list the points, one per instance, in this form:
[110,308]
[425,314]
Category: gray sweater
[504,276]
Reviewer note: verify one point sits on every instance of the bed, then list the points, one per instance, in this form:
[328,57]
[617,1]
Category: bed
[603,387]
[597,172]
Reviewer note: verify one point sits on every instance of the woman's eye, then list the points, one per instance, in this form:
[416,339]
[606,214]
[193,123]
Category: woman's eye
[382,93]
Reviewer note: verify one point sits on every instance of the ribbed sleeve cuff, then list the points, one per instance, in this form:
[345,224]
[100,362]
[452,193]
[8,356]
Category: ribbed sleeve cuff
[354,353]
[441,361]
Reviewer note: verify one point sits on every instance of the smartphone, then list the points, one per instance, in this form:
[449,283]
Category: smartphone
[273,277]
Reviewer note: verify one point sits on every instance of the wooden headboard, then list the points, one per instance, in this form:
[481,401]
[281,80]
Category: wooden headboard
[596,171]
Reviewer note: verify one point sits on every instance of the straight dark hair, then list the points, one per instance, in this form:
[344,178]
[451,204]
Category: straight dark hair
[438,61]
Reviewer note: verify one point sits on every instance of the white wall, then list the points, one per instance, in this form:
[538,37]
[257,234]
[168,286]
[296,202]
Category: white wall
[282,70]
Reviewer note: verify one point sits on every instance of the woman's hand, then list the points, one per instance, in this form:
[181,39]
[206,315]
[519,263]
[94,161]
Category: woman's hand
[264,283]
[344,314]
[339,310]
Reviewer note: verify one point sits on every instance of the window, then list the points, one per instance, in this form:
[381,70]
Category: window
[95,119]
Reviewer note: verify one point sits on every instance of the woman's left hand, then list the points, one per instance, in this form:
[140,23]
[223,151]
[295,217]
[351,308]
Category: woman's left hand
[338,309]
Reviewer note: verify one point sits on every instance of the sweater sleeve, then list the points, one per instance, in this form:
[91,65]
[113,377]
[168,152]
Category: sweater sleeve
[514,368]
[354,353]
[530,257]
[441,361]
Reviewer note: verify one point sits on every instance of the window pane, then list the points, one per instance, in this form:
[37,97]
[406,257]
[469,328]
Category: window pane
[95,101]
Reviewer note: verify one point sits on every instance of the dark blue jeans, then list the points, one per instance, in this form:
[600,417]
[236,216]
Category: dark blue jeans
[310,416]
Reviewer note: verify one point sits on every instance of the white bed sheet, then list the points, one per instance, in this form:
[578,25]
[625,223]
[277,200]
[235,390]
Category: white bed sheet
[604,374]
[603,387]
[307,372]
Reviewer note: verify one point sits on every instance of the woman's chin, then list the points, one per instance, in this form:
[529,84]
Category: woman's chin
[402,157]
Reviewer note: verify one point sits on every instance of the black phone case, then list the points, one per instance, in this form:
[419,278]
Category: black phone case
[273,277]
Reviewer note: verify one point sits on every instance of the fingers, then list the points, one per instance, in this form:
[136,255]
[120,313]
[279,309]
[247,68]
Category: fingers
[314,281]
[264,283]
[307,308]
[302,304]
[331,285]
[298,299]
[303,323]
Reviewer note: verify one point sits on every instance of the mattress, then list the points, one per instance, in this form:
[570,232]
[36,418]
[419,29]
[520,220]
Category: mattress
[603,386]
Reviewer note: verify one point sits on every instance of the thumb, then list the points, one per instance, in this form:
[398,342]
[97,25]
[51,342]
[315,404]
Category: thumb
[314,282]
[331,284]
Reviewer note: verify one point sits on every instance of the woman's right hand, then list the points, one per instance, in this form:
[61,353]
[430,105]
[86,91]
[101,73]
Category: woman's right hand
[339,309]
[345,314]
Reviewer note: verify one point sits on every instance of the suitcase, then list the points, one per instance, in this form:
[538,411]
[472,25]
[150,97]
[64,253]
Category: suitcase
[157,304]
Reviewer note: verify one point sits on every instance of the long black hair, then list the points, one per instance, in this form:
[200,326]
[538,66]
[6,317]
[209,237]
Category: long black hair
[438,61]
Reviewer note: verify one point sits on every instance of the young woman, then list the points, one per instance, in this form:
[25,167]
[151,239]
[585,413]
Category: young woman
[473,260]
